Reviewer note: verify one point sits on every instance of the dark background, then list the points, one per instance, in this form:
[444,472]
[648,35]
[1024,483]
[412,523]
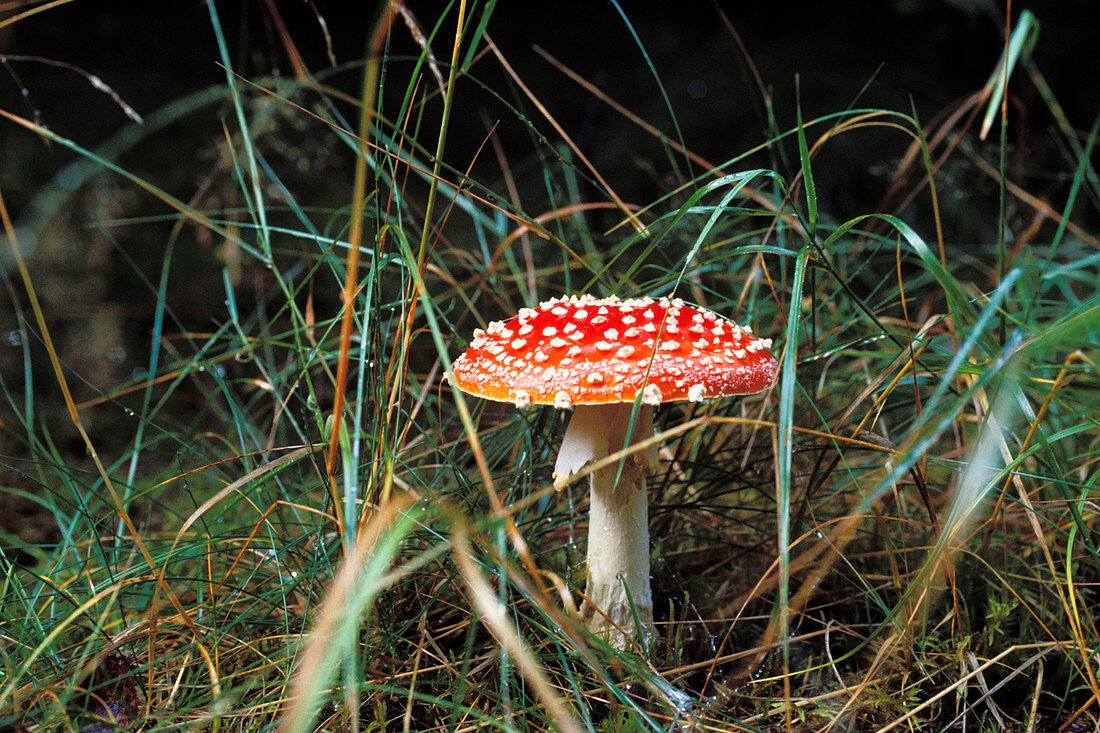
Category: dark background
[929,51]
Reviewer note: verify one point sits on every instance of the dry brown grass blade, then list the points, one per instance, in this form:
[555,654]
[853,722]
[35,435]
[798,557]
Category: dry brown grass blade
[904,170]
[315,655]
[301,73]
[421,39]
[162,584]
[185,210]
[402,344]
[293,455]
[1034,202]
[471,193]
[713,170]
[961,682]
[631,217]
[1061,380]
[559,213]
[950,134]
[16,17]
[379,32]
[495,617]
[513,197]
[824,554]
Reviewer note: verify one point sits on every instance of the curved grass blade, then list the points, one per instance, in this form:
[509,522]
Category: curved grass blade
[361,579]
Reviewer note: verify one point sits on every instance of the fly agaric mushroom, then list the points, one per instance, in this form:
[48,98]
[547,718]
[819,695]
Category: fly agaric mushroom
[599,356]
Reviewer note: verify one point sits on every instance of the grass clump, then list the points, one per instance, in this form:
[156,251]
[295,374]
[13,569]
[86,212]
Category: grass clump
[251,500]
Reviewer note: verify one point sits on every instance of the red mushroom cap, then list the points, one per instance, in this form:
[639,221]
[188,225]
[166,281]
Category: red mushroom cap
[590,351]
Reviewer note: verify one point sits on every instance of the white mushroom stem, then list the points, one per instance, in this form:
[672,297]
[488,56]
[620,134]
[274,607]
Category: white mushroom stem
[618,525]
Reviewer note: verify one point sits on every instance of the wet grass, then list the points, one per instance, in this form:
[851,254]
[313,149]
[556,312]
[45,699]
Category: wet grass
[900,534]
